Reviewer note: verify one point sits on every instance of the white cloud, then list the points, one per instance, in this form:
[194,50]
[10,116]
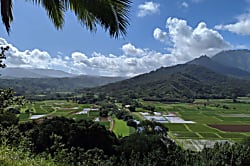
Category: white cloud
[148,8]
[160,35]
[124,65]
[32,58]
[184,4]
[189,43]
[133,61]
[240,27]
[130,49]
[186,44]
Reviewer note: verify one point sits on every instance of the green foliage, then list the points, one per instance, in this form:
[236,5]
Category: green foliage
[2,56]
[67,142]
[121,128]
[7,119]
[55,88]
[7,98]
[225,154]
[7,112]
[176,84]
[82,133]
[16,156]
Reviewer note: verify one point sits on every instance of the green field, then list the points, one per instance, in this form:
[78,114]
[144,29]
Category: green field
[205,113]
[56,108]
[69,109]
[121,128]
[202,112]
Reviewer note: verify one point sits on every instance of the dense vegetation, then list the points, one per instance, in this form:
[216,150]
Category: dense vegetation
[63,141]
[75,141]
[53,87]
[178,83]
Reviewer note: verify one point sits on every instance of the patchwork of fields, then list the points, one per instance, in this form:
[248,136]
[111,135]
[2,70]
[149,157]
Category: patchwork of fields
[71,110]
[215,120]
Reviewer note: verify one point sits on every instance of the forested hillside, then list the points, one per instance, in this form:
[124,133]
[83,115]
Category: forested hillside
[180,82]
[36,86]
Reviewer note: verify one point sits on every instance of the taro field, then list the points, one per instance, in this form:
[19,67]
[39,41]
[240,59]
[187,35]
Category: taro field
[52,108]
[217,120]
[37,110]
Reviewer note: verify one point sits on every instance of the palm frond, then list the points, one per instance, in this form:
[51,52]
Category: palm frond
[55,10]
[6,12]
[112,15]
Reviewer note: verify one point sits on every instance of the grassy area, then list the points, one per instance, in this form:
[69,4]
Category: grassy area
[176,127]
[10,156]
[56,108]
[204,113]
[121,128]
[69,109]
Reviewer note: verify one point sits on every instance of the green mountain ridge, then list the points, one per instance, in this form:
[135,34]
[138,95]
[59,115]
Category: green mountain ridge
[180,82]
[34,86]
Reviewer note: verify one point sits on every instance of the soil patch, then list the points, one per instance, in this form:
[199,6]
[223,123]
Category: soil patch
[232,128]
[73,108]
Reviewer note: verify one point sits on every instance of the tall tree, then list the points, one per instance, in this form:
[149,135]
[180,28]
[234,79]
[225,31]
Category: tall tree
[112,15]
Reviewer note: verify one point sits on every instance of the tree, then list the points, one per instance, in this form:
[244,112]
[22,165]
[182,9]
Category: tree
[2,56]
[112,15]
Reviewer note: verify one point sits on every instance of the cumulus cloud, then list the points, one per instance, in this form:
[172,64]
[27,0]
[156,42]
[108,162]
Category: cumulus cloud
[184,4]
[186,43]
[240,27]
[148,8]
[31,58]
[130,49]
[133,61]
[160,35]
[124,65]
[189,43]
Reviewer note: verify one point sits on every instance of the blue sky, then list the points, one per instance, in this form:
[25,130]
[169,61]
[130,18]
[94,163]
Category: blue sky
[161,33]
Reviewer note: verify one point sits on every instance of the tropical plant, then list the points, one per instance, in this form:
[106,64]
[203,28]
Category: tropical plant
[112,15]
[2,56]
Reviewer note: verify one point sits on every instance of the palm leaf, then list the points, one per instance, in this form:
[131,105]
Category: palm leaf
[55,10]
[112,15]
[6,12]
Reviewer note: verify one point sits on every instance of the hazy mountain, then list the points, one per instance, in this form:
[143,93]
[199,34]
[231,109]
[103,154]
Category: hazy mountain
[33,86]
[177,83]
[32,73]
[220,68]
[234,58]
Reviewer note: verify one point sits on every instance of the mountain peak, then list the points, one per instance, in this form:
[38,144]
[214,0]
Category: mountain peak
[219,68]
[234,58]
[33,73]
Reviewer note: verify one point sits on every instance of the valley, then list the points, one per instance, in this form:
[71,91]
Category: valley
[135,83]
[200,109]
[213,120]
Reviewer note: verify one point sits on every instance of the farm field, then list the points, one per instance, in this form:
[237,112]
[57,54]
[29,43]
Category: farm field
[52,108]
[55,108]
[121,128]
[215,120]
